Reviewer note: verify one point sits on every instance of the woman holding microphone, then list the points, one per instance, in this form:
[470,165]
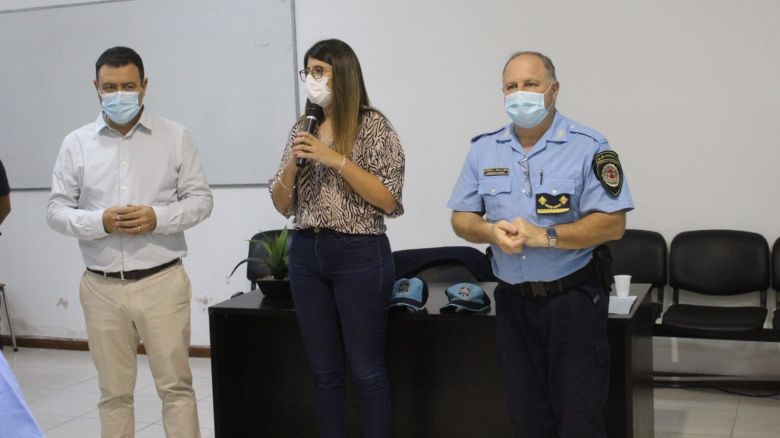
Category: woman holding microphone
[341,265]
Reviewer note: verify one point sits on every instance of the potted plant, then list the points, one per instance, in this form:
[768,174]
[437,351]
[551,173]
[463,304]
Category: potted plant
[272,262]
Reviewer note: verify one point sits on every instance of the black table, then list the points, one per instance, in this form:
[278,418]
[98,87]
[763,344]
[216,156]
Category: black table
[443,368]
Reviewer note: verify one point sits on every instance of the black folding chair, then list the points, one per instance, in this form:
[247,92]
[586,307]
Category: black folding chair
[256,268]
[4,302]
[642,255]
[719,263]
[776,282]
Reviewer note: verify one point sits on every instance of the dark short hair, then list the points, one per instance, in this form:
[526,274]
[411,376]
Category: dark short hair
[548,64]
[119,57]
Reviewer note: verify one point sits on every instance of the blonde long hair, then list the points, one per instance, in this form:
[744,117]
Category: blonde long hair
[350,99]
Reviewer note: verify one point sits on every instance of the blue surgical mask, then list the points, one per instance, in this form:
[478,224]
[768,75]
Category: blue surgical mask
[526,108]
[121,106]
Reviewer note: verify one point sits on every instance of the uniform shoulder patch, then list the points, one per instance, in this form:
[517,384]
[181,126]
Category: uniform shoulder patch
[606,166]
[487,134]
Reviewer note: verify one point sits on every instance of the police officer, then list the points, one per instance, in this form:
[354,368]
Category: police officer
[544,191]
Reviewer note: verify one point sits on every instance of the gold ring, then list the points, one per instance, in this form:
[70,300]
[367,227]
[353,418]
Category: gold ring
[139,228]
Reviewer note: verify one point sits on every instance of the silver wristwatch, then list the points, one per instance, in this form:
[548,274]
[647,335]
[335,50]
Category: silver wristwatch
[552,236]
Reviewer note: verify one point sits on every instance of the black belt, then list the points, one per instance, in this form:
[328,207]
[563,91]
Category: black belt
[550,288]
[319,230]
[137,274]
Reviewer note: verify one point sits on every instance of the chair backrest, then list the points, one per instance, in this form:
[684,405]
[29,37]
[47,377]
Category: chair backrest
[776,268]
[254,268]
[445,263]
[641,254]
[719,262]
[447,273]
[776,281]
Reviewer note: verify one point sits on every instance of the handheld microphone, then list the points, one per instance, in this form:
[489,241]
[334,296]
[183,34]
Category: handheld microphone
[312,118]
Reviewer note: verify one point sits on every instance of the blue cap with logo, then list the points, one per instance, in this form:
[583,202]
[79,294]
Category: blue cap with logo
[466,298]
[409,293]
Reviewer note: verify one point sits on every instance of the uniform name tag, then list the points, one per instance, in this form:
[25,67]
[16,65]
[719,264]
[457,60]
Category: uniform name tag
[553,204]
[495,171]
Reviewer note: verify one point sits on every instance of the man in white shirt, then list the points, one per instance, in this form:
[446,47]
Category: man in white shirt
[127,186]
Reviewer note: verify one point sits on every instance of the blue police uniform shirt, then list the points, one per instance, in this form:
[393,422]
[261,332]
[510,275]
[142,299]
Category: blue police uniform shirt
[554,183]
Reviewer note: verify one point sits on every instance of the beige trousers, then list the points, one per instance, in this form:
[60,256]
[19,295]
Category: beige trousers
[155,310]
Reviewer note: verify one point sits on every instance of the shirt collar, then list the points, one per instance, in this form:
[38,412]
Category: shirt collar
[556,133]
[145,121]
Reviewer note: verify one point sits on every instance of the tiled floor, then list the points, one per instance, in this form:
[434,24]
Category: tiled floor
[708,413]
[61,388]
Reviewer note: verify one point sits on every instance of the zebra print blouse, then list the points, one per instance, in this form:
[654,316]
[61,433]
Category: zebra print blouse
[321,197]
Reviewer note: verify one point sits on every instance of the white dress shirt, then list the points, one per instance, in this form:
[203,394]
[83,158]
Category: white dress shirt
[154,164]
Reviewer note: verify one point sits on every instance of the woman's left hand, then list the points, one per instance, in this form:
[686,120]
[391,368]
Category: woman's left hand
[307,146]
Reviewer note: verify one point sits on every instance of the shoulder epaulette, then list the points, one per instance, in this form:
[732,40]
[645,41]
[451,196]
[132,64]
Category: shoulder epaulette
[588,132]
[488,133]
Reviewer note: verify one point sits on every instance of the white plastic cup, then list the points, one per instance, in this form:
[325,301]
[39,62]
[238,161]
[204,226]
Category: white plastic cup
[622,285]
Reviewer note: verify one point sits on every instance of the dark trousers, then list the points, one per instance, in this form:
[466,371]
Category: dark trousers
[555,361]
[341,286]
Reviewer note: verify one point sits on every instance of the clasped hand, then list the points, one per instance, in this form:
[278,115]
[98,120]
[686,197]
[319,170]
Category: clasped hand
[131,220]
[307,146]
[513,236]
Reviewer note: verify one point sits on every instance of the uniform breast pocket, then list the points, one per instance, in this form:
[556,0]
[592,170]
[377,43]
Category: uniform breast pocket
[557,198]
[496,192]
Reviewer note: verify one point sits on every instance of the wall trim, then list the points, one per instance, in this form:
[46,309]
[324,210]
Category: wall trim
[81,345]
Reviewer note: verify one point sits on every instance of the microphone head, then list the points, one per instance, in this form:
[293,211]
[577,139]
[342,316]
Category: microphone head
[312,117]
[313,110]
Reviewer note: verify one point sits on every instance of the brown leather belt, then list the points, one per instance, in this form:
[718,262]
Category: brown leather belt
[550,288]
[137,274]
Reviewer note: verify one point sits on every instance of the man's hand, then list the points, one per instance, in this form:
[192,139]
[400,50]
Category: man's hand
[534,237]
[132,220]
[507,237]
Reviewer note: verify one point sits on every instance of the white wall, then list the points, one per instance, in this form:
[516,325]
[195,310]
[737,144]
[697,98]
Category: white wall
[42,269]
[685,91]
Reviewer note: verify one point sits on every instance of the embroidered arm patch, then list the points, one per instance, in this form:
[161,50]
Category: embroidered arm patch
[607,167]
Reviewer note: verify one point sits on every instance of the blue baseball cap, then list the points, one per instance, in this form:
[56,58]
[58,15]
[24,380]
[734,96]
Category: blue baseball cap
[466,297]
[409,293]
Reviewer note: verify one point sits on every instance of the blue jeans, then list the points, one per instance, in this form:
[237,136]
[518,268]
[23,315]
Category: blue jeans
[341,286]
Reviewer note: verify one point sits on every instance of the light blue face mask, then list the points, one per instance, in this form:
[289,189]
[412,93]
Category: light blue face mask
[526,108]
[121,106]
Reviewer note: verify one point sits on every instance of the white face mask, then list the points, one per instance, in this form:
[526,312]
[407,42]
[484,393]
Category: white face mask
[317,90]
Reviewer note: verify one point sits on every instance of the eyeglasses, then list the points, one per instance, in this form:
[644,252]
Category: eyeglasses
[316,73]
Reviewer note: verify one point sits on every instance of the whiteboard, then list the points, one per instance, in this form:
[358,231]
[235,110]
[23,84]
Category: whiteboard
[224,69]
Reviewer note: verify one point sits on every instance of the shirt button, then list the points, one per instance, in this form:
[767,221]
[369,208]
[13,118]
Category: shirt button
[492,190]
[124,187]
[524,191]
[555,192]
[124,163]
[524,257]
